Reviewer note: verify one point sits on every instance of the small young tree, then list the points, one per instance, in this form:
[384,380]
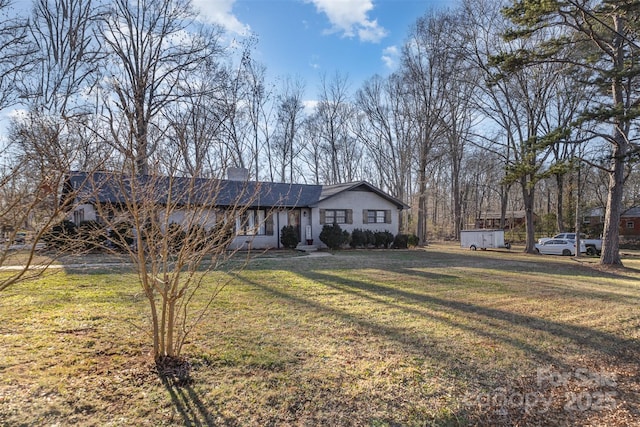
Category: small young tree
[175,235]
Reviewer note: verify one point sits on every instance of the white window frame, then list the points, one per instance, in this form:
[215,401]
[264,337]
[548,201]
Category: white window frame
[252,223]
[332,216]
[375,216]
[78,216]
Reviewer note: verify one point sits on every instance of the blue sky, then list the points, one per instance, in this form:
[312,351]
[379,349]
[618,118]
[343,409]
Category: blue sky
[309,38]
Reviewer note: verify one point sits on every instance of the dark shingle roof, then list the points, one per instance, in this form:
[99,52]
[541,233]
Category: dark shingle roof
[107,187]
[104,187]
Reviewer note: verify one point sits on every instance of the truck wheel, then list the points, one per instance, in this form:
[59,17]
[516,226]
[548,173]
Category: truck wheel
[591,250]
[507,245]
[566,252]
[473,247]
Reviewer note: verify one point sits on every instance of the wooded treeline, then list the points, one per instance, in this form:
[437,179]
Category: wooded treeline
[496,106]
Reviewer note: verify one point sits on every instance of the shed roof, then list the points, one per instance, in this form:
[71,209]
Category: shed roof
[509,215]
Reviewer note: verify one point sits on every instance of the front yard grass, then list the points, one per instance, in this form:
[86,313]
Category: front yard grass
[440,336]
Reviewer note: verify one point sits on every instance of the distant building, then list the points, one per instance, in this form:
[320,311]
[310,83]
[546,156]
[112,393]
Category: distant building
[629,226]
[491,220]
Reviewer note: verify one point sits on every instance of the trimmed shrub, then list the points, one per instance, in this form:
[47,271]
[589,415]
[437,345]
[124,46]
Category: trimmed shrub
[358,239]
[370,238]
[333,236]
[401,241]
[221,234]
[346,238]
[383,239]
[61,235]
[176,236]
[288,237]
[198,237]
[91,235]
[121,235]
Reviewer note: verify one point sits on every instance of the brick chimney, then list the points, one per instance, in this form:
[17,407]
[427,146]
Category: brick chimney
[237,174]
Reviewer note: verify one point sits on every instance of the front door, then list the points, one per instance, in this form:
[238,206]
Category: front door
[294,220]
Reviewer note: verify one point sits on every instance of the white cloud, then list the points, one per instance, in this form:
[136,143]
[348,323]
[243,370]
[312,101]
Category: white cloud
[350,17]
[390,56]
[221,12]
[17,114]
[309,106]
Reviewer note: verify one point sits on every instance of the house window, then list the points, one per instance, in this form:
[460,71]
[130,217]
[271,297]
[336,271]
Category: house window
[255,223]
[586,220]
[336,216]
[630,224]
[371,216]
[78,216]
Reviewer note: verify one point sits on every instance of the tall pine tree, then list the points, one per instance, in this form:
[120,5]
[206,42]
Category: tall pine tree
[603,38]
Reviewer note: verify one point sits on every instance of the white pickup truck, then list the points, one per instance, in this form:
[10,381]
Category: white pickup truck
[594,246]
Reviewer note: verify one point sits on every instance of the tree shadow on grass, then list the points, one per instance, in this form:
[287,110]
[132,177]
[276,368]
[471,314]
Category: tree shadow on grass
[602,342]
[419,343]
[175,374]
[493,324]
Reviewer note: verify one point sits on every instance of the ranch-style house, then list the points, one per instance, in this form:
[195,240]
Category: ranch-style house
[267,206]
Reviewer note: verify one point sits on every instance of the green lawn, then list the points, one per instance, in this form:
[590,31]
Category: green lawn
[441,336]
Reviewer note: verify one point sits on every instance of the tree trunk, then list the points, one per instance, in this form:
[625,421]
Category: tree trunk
[527,197]
[504,200]
[457,202]
[578,215]
[559,201]
[422,208]
[171,324]
[611,233]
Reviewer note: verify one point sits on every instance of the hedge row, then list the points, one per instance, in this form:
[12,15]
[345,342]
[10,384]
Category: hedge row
[335,237]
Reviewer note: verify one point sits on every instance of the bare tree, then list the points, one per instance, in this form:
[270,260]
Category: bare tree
[243,98]
[260,109]
[564,110]
[195,123]
[518,103]
[289,118]
[49,138]
[384,128]
[175,230]
[335,112]
[15,52]
[527,97]
[425,77]
[459,109]
[312,151]
[151,47]
[28,209]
